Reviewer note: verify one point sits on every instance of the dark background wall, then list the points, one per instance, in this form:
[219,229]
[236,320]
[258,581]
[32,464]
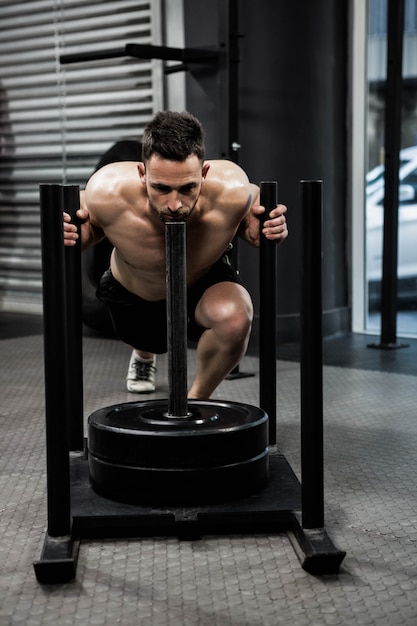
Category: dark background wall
[292,110]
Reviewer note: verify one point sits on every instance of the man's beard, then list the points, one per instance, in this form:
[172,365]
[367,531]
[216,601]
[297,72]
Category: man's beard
[181,215]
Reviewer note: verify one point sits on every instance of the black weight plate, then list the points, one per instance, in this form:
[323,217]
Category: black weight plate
[181,486]
[140,434]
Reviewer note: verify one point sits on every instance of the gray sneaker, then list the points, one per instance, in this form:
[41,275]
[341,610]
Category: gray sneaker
[141,375]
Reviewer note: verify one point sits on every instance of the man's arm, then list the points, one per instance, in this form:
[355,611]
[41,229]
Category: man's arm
[274,228]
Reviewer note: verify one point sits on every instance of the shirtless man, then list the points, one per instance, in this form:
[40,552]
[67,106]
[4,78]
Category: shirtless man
[129,202]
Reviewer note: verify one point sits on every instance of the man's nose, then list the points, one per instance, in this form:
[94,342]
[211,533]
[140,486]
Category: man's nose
[174,202]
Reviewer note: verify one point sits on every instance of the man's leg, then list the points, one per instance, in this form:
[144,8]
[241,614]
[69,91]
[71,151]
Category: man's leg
[145,355]
[226,311]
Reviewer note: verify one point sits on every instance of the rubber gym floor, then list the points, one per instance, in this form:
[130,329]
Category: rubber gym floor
[370,481]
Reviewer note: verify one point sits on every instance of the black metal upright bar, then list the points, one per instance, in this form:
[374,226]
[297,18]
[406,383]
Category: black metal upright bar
[55,361]
[228,70]
[75,401]
[393,98]
[176,272]
[228,80]
[267,313]
[58,561]
[312,493]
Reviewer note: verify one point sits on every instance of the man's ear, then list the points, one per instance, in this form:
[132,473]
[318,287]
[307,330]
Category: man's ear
[142,173]
[205,169]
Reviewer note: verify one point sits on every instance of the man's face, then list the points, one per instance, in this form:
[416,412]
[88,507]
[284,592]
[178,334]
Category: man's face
[173,187]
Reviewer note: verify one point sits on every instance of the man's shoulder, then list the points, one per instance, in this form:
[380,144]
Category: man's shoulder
[114,178]
[117,170]
[225,167]
[112,190]
[227,180]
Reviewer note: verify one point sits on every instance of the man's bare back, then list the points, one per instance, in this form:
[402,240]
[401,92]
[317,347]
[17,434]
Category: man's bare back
[119,205]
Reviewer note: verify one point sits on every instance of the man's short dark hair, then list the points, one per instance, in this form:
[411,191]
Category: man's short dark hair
[174,136]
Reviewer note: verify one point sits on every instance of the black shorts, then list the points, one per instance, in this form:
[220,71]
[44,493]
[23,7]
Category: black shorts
[143,324]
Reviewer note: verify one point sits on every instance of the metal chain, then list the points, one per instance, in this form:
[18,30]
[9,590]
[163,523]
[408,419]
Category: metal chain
[59,45]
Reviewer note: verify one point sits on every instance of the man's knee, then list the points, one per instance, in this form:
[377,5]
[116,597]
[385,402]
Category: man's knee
[234,322]
[227,309]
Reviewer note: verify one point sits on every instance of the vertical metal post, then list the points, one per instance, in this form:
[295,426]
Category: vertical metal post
[55,361]
[74,405]
[267,313]
[393,98]
[176,268]
[233,58]
[227,77]
[229,105]
[311,365]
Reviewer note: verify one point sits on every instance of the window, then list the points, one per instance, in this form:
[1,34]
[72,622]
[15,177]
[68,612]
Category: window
[57,120]
[407,210]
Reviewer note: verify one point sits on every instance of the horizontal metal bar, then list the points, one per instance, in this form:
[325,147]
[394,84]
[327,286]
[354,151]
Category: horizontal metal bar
[144,51]
[195,55]
[78,57]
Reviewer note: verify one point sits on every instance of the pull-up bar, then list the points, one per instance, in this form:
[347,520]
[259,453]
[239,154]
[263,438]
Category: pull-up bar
[145,51]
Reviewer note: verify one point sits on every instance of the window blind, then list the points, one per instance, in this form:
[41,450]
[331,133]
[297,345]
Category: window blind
[56,119]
